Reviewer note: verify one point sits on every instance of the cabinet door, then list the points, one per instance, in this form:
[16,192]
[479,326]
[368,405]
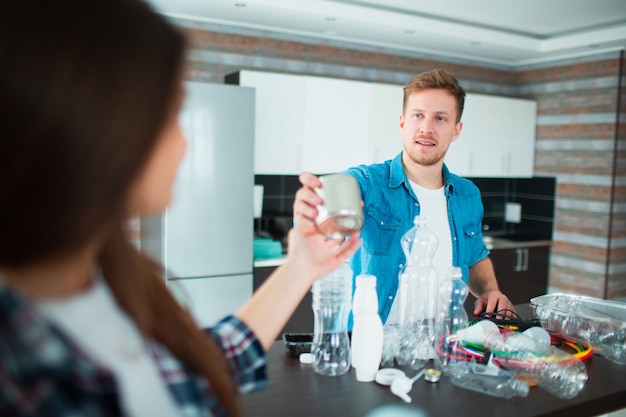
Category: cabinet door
[301,321]
[336,130]
[497,138]
[522,273]
[211,299]
[384,120]
[279,121]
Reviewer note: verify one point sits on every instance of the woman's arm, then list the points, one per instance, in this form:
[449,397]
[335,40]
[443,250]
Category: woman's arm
[310,256]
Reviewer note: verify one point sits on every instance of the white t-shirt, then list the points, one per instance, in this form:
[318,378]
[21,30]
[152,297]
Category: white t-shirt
[97,324]
[434,207]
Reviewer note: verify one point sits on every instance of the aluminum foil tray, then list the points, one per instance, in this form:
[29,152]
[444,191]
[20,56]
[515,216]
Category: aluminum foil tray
[600,322]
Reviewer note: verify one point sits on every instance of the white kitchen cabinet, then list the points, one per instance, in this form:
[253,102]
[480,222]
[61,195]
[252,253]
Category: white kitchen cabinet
[279,120]
[213,298]
[384,121]
[336,129]
[317,124]
[497,139]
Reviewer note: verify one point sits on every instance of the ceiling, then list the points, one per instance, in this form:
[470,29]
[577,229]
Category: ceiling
[493,31]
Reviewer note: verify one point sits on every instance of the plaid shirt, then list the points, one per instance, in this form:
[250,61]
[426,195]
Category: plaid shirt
[43,373]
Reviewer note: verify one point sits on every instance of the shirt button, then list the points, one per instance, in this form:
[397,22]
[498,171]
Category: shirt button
[382,223]
[400,266]
[390,297]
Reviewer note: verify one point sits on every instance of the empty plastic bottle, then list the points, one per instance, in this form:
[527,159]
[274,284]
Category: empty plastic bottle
[331,305]
[451,318]
[554,370]
[367,332]
[417,292]
[488,379]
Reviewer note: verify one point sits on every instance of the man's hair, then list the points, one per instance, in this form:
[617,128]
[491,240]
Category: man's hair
[436,79]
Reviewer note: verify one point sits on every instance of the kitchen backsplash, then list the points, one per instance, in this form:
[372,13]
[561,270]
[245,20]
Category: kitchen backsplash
[535,195]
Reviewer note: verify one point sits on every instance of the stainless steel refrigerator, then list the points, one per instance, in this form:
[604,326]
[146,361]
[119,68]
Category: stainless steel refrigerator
[205,238]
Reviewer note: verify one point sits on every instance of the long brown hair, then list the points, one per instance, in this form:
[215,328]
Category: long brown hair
[85,87]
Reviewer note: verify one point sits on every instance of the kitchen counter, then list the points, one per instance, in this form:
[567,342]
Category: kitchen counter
[271,262]
[294,389]
[491,243]
[506,243]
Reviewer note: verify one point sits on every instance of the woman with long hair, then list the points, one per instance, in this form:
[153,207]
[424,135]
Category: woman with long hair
[89,138]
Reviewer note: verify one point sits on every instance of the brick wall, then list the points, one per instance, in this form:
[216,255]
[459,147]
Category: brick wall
[579,139]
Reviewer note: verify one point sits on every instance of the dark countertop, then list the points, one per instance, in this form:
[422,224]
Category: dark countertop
[295,390]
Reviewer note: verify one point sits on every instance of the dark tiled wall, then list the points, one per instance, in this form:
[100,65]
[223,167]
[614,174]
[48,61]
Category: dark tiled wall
[536,195]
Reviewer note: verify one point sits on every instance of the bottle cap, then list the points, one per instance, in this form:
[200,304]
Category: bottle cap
[307,358]
[432,375]
[386,376]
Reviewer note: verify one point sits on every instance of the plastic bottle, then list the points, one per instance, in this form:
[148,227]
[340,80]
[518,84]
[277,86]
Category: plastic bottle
[367,332]
[417,291]
[554,370]
[451,318]
[331,305]
[487,379]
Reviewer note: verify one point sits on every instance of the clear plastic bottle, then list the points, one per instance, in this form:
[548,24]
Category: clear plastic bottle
[331,305]
[417,292]
[367,332]
[488,380]
[451,318]
[554,370]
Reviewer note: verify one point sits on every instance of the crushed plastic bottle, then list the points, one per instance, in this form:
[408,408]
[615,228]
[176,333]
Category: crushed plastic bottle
[488,379]
[554,370]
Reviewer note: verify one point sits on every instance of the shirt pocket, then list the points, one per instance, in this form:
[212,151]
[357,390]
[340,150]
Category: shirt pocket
[380,231]
[472,245]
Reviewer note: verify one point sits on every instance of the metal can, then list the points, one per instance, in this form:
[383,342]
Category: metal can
[341,214]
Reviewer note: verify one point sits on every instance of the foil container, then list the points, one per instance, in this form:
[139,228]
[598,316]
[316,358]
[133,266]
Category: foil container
[599,322]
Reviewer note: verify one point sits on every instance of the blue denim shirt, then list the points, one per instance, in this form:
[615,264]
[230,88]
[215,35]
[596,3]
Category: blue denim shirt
[390,205]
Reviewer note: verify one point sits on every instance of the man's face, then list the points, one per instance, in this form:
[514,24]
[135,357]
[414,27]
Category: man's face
[429,125]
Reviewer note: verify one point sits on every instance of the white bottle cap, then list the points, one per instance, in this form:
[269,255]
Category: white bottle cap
[307,358]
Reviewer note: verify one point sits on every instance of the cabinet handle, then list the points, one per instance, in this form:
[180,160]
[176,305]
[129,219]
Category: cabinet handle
[525,260]
[519,259]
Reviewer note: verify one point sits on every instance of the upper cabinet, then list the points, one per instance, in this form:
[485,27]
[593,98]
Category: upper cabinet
[321,125]
[497,138]
[279,120]
[384,121]
[335,133]
[324,125]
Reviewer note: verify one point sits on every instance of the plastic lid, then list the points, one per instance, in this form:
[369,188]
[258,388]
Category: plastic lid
[307,358]
[386,376]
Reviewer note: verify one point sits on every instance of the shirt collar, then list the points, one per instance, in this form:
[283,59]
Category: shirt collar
[397,176]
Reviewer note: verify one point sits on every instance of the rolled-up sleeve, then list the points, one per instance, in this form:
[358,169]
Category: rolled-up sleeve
[243,352]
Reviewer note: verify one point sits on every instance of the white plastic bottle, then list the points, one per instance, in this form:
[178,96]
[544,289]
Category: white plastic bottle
[367,332]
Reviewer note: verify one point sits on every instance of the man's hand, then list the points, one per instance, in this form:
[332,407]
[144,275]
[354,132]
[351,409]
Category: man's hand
[492,301]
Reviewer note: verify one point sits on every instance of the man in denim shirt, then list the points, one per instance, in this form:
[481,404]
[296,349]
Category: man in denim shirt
[417,182]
